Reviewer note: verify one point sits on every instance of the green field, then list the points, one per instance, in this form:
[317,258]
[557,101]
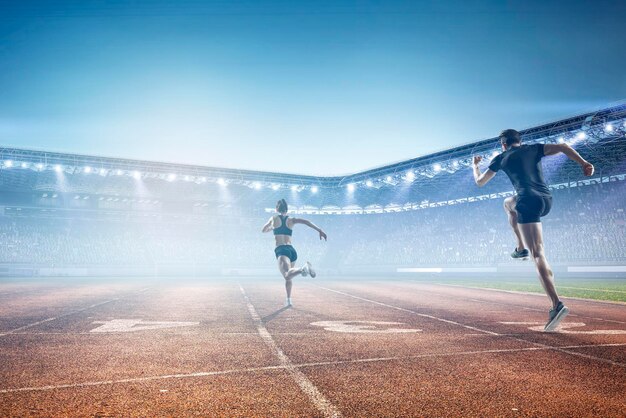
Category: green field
[598,289]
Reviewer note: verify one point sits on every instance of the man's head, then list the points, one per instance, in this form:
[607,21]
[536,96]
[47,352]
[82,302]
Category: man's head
[281,206]
[510,138]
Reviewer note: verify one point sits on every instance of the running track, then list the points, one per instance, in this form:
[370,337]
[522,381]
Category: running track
[226,348]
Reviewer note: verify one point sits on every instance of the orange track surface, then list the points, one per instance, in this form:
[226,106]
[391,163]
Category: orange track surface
[242,355]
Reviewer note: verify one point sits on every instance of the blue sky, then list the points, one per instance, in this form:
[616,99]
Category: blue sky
[327,87]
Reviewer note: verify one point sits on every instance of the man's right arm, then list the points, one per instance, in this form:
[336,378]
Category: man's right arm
[571,153]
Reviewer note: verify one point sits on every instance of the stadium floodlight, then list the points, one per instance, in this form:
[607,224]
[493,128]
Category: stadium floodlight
[8,163]
[103,172]
[410,175]
[136,175]
[437,167]
[119,172]
[581,135]
[388,178]
[561,140]
[24,165]
[275,187]
[314,189]
[202,179]
[187,178]
[221,182]
[256,185]
[455,163]
[294,188]
[608,127]
[369,183]
[87,169]
[350,187]
[58,168]
[171,177]
[39,166]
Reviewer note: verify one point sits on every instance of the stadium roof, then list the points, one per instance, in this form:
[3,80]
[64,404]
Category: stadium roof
[591,124]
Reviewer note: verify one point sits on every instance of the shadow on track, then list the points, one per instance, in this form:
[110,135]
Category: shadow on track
[273,315]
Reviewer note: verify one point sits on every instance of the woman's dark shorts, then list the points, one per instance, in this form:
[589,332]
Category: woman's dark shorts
[530,209]
[286,250]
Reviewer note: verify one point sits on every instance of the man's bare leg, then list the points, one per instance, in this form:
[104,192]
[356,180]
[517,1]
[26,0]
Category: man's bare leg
[532,234]
[509,208]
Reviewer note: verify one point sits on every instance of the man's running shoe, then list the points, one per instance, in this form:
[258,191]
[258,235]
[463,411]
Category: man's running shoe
[521,254]
[288,303]
[556,315]
[307,269]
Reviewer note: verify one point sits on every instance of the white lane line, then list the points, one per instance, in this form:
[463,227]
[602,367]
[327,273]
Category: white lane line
[398,308]
[520,292]
[524,307]
[547,347]
[298,366]
[95,305]
[321,403]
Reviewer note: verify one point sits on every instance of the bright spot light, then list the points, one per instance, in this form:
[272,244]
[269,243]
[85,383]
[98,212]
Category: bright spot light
[8,163]
[103,172]
[608,127]
[171,177]
[369,183]
[350,187]
[119,172]
[455,163]
[294,188]
[187,178]
[136,175]
[221,182]
[58,168]
[388,178]
[437,167]
[561,140]
[410,176]
[314,189]
[581,135]
[275,187]
[87,169]
[39,166]
[24,165]
[202,179]
[257,185]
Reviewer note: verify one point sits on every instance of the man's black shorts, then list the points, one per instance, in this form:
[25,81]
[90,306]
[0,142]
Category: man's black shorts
[286,250]
[530,209]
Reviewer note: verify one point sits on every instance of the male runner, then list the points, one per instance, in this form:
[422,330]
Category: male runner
[522,164]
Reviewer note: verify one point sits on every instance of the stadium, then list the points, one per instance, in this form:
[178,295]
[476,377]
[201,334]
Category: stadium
[148,224]
[312,209]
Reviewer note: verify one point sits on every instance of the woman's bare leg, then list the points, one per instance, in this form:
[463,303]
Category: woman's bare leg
[533,237]
[289,271]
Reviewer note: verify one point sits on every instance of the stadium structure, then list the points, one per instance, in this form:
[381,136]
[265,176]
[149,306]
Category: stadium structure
[81,215]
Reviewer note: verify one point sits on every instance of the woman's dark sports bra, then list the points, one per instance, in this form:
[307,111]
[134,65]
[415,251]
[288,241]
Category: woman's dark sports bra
[283,230]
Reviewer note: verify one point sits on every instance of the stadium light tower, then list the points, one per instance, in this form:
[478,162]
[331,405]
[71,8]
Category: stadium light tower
[221,182]
[8,163]
[351,187]
[58,168]
[608,127]
[369,183]
[24,165]
[87,169]
[314,189]
[257,185]
[410,175]
[437,167]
